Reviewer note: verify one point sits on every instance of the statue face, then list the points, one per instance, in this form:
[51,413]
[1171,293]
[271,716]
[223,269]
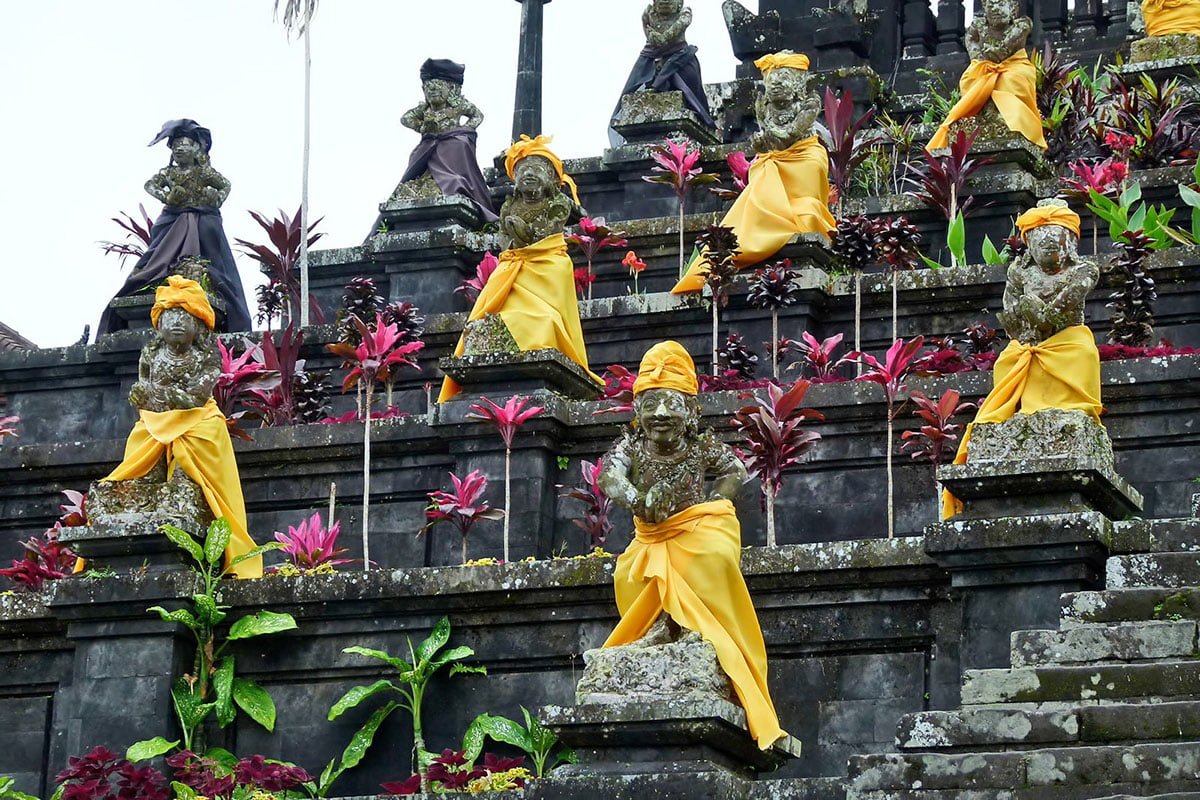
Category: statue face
[1000,13]
[667,8]
[783,85]
[184,150]
[178,328]
[535,177]
[663,414]
[1051,247]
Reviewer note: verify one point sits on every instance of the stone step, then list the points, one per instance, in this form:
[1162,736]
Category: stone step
[1131,641]
[1070,772]
[1174,790]
[1178,535]
[993,728]
[1128,605]
[1150,682]
[1142,570]
[798,789]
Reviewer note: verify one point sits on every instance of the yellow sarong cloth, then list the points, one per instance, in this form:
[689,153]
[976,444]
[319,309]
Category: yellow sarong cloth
[787,193]
[533,291]
[688,566]
[195,440]
[1011,85]
[1061,372]
[1164,17]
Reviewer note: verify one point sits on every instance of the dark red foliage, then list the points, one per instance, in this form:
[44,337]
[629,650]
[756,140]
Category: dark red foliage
[730,381]
[103,775]
[1118,352]
[199,773]
[137,236]
[618,389]
[46,559]
[412,785]
[934,440]
[595,522]
[270,775]
[495,763]
[843,136]
[279,261]
[941,181]
[772,439]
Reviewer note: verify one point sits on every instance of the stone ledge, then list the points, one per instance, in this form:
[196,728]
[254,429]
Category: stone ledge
[1097,486]
[515,373]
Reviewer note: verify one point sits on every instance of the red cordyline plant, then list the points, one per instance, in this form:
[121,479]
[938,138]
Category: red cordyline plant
[507,420]
[462,508]
[772,439]
[279,261]
[583,282]
[454,771]
[941,181]
[596,504]
[843,136]
[935,440]
[739,168]
[618,390]
[310,545]
[244,379]
[1106,177]
[594,235]
[677,165]
[471,287]
[137,236]
[46,558]
[380,352]
[816,357]
[890,376]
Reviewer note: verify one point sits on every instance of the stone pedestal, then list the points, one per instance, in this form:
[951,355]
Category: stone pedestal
[808,251]
[135,310]
[413,208]
[497,374]
[1163,58]
[1010,155]
[649,117]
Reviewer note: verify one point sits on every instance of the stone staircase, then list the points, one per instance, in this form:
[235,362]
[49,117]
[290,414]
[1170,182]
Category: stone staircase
[1106,706]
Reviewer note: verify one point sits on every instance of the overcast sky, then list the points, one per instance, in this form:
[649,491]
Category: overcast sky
[84,85]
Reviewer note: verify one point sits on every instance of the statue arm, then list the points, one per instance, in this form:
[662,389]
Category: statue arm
[158,186]
[1018,34]
[729,473]
[139,393]
[473,114]
[614,479]
[653,37]
[678,28]
[414,118]
[198,391]
[218,187]
[1076,287]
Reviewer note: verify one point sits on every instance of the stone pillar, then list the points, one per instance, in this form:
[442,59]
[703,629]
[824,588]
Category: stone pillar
[951,25]
[527,111]
[920,30]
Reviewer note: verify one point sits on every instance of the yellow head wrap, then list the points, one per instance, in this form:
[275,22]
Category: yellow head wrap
[776,60]
[667,365]
[538,147]
[1048,215]
[186,294]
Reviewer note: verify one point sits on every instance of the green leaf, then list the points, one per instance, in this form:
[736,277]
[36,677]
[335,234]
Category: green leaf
[254,700]
[1196,171]
[1196,225]
[223,684]
[1190,195]
[990,254]
[223,757]
[356,695]
[473,739]
[468,669]
[183,791]
[956,239]
[58,793]
[188,708]
[207,610]
[182,616]
[149,748]
[217,540]
[258,551]
[1131,195]
[566,756]
[398,663]
[360,742]
[503,729]
[1138,221]
[184,541]
[435,641]
[261,623]
[454,654]
[929,262]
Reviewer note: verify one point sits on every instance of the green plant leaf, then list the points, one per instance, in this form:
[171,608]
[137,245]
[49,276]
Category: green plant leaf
[255,701]
[207,610]
[188,708]
[223,684]
[467,669]
[435,641]
[149,748]
[184,541]
[929,262]
[956,239]
[379,655]
[258,551]
[183,791]
[217,540]
[356,695]
[1190,195]
[261,623]
[453,654]
[1137,222]
[360,742]
[473,739]
[182,616]
[990,254]
[1132,193]
[222,756]
[503,729]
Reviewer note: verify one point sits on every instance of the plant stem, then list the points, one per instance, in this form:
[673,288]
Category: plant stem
[858,317]
[715,360]
[1095,238]
[589,281]
[304,178]
[366,501]
[332,498]
[895,281]
[891,513]
[681,236]
[507,497]
[464,548]
[775,343]
[418,690]
[770,497]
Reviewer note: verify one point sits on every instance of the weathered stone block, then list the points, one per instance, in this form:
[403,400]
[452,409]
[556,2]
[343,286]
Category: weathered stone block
[648,116]
[497,374]
[682,670]
[1131,641]
[1051,433]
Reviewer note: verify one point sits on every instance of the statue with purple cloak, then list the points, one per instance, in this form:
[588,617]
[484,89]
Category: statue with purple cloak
[668,63]
[447,121]
[190,225]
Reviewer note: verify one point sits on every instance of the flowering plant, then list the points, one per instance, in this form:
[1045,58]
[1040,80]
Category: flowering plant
[593,236]
[310,545]
[739,168]
[471,287]
[462,508]
[597,505]
[677,165]
[635,266]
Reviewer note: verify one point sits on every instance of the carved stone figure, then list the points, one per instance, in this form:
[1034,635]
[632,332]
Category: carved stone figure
[536,208]
[1048,285]
[786,109]
[999,32]
[446,121]
[668,63]
[190,225]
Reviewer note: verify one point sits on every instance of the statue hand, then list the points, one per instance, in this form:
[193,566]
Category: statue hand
[139,394]
[657,504]
[211,196]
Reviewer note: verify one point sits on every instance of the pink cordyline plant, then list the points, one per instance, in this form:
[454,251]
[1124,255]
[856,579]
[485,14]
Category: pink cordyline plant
[507,420]
[594,235]
[618,390]
[310,545]
[739,168]
[45,559]
[381,351]
[243,377]
[890,376]
[934,440]
[471,287]
[8,427]
[1107,177]
[678,166]
[462,508]
[772,439]
[816,356]
[597,506]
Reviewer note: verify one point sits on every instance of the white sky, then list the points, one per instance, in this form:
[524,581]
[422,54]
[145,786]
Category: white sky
[85,84]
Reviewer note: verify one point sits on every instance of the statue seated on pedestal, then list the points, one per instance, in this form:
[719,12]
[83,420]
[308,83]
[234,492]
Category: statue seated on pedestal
[680,576]
[1052,361]
[1172,31]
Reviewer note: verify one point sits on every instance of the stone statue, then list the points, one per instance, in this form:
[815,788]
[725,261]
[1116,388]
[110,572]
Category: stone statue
[999,32]
[179,367]
[190,225]
[668,63]
[536,208]
[786,109]
[679,582]
[446,153]
[1048,285]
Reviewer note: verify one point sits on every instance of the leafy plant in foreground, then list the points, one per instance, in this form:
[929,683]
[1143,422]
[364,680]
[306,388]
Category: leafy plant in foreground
[846,140]
[597,505]
[940,181]
[507,420]
[462,508]
[453,771]
[618,390]
[243,380]
[212,687]
[816,356]
[538,741]
[677,165]
[279,261]
[408,687]
[9,793]
[310,546]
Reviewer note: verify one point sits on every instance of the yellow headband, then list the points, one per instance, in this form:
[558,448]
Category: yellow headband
[186,294]
[526,147]
[667,365]
[1048,215]
[776,60]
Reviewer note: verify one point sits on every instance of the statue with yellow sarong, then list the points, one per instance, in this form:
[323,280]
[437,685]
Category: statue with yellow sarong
[529,302]
[680,577]
[788,187]
[181,436]
[1172,31]
[1052,361]
[1000,81]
